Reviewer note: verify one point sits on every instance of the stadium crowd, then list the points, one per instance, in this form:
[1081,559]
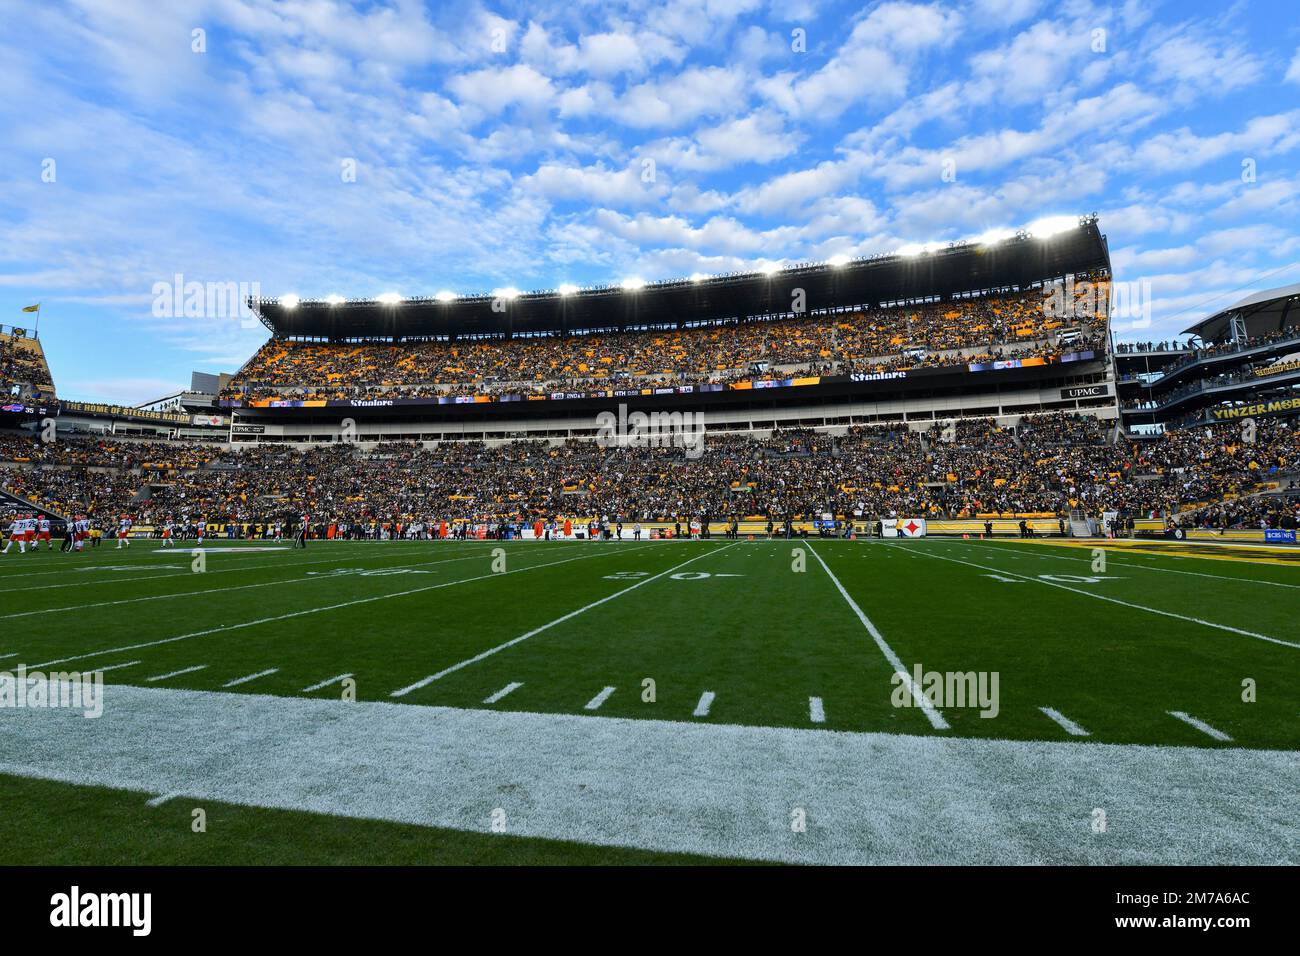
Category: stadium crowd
[23,370]
[1045,464]
[932,334]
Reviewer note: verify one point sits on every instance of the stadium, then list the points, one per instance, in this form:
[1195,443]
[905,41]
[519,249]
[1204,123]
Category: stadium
[849,450]
[894,560]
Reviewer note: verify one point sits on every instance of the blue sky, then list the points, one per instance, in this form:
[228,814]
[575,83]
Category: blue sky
[321,146]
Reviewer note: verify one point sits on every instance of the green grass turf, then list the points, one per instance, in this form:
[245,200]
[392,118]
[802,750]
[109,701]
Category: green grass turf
[93,826]
[764,638]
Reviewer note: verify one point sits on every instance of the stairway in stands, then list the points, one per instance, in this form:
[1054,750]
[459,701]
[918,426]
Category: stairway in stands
[11,502]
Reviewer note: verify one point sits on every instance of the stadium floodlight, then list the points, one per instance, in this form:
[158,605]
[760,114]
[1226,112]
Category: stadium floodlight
[334,299]
[919,248]
[633,283]
[390,298]
[698,277]
[446,296]
[838,260]
[1051,225]
[771,268]
[509,292]
[568,288]
[289,301]
[993,236]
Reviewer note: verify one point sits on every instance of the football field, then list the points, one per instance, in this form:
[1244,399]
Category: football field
[923,701]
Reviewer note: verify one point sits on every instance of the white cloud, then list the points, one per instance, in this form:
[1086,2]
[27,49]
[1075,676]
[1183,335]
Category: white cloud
[1293,71]
[494,89]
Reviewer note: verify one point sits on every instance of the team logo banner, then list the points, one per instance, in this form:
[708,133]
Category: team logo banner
[902,527]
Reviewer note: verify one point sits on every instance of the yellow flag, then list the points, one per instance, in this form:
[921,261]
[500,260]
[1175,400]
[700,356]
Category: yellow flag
[33,308]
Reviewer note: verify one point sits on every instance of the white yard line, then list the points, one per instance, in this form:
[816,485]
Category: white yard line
[816,712]
[114,667]
[183,670]
[932,713]
[716,789]
[595,702]
[82,582]
[159,800]
[312,610]
[325,683]
[7,656]
[1113,600]
[1066,724]
[1200,725]
[426,681]
[249,677]
[508,689]
[223,590]
[144,562]
[706,702]
[1140,567]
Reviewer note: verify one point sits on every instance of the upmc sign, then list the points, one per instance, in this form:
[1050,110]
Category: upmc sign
[1085,391]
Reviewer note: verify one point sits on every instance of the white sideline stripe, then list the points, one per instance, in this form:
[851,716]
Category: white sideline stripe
[144,562]
[325,683]
[113,667]
[1069,726]
[181,571]
[311,610]
[509,688]
[223,590]
[1140,567]
[7,656]
[426,681]
[1113,600]
[183,670]
[159,800]
[816,712]
[1200,725]
[722,790]
[936,718]
[706,701]
[595,702]
[246,678]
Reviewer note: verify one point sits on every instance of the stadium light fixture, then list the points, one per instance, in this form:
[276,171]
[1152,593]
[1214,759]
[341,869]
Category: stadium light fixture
[771,268]
[446,296]
[289,301]
[509,292]
[994,236]
[633,284]
[698,277]
[1051,225]
[918,248]
[838,260]
[334,299]
[568,288]
[390,298]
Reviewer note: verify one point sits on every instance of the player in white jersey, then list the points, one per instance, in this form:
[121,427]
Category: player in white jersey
[17,532]
[82,531]
[42,533]
[124,532]
[168,539]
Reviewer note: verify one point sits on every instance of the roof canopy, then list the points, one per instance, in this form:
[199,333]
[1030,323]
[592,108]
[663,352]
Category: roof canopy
[1019,262]
[1267,311]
